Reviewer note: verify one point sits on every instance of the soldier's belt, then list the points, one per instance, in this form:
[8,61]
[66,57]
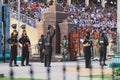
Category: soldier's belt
[47,44]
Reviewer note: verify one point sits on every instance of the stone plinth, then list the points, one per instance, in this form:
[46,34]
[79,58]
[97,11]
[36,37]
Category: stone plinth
[55,16]
[115,62]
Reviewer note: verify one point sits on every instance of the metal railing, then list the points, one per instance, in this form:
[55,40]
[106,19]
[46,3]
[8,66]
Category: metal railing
[23,18]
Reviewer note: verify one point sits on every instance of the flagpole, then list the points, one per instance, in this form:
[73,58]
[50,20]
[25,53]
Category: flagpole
[1,1]
[18,26]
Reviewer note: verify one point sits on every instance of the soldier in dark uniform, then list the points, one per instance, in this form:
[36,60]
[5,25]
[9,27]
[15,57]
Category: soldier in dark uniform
[41,43]
[106,44]
[48,45]
[13,41]
[102,43]
[24,40]
[87,50]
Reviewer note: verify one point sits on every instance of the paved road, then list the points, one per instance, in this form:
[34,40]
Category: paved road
[56,71]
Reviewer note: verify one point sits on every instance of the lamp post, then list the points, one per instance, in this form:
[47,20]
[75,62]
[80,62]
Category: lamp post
[118,28]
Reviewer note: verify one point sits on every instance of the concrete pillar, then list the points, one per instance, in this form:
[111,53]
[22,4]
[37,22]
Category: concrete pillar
[103,3]
[69,2]
[26,0]
[87,2]
[1,1]
[118,27]
[48,0]
[54,1]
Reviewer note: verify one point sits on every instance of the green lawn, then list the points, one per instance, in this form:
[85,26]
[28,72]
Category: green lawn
[4,78]
[105,76]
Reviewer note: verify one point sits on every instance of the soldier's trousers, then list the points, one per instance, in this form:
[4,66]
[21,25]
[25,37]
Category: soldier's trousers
[13,55]
[48,55]
[25,55]
[41,55]
[102,55]
[87,55]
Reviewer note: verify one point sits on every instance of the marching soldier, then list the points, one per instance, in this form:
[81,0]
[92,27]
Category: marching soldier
[13,43]
[48,45]
[24,40]
[41,43]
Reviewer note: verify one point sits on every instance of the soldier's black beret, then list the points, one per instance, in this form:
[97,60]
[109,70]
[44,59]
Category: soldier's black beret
[14,26]
[49,26]
[23,26]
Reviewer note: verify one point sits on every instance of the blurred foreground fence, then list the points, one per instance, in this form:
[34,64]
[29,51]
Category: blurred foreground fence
[78,75]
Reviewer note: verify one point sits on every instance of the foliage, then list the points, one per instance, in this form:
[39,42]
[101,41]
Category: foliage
[117,72]
[105,76]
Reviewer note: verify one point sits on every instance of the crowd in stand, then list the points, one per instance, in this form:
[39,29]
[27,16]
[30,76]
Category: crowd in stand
[97,25]
[93,18]
[30,9]
[96,20]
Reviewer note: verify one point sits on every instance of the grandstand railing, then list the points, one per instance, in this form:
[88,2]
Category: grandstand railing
[23,18]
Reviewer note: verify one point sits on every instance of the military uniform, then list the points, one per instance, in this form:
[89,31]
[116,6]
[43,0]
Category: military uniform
[42,48]
[24,40]
[106,44]
[48,48]
[87,51]
[95,48]
[102,43]
[64,49]
[13,53]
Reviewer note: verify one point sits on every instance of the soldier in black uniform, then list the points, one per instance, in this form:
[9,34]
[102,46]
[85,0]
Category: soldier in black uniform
[13,43]
[106,44]
[48,45]
[102,43]
[41,43]
[24,40]
[87,50]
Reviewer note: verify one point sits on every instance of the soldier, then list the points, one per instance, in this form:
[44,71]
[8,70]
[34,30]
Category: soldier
[87,50]
[24,40]
[102,43]
[13,43]
[41,43]
[64,48]
[96,48]
[106,44]
[48,45]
